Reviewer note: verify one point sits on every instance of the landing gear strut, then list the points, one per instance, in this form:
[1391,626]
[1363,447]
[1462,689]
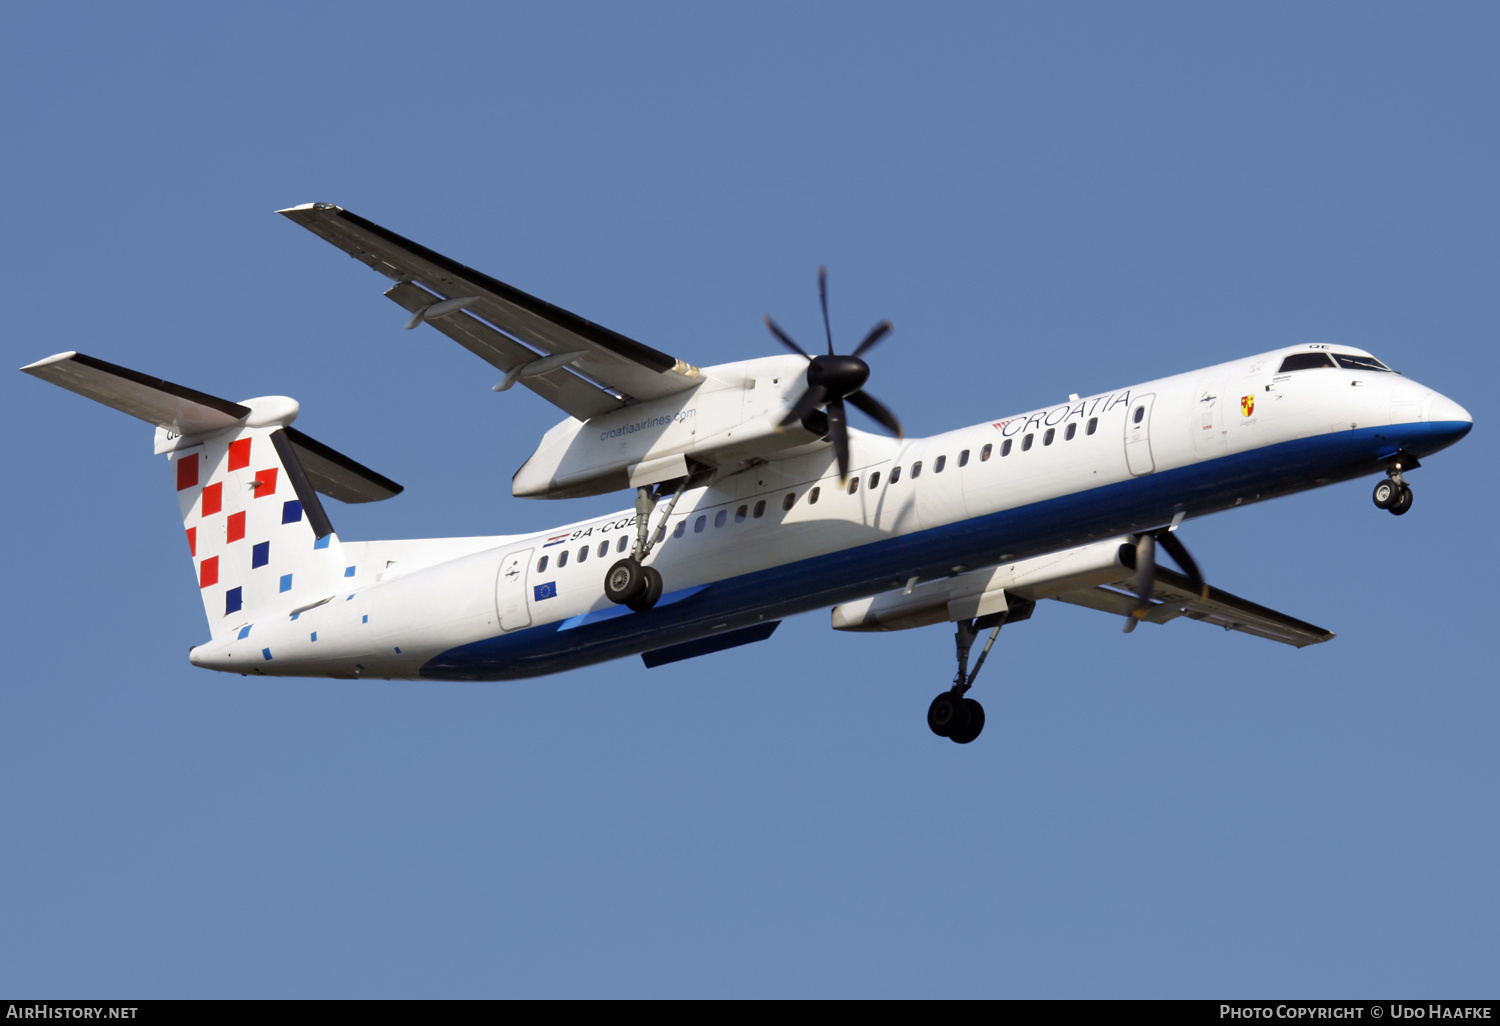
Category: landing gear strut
[1393,494]
[951,714]
[630,582]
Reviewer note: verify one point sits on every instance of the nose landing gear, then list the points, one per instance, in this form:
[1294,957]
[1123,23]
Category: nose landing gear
[1394,494]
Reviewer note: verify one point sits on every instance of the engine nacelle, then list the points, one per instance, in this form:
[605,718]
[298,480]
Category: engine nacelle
[729,419]
[981,592]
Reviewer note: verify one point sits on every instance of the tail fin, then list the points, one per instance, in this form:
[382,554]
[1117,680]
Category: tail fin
[247,483]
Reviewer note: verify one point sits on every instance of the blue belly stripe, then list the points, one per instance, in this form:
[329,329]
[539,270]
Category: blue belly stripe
[1047,526]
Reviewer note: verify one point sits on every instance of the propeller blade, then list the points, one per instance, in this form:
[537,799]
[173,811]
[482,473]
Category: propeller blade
[810,400]
[1145,577]
[875,410]
[823,298]
[1179,552]
[785,339]
[838,430]
[877,333]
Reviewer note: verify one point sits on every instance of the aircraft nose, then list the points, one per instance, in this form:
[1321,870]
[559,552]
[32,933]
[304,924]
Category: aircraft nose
[1447,420]
[1445,410]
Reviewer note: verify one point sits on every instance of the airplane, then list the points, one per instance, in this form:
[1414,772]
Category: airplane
[754,498]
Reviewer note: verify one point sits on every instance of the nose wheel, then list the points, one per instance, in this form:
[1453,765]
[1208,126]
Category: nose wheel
[1393,494]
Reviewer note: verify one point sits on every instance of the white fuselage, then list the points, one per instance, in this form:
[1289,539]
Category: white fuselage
[786,536]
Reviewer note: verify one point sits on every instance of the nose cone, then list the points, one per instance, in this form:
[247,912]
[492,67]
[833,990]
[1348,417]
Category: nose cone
[1448,421]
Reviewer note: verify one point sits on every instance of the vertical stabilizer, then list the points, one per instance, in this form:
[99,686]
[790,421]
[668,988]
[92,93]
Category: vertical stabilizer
[247,483]
[260,540]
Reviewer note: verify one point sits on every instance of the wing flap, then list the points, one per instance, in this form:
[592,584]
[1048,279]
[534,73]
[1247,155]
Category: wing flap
[561,387]
[616,361]
[1178,598]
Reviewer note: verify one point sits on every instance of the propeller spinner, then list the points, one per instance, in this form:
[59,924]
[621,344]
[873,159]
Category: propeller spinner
[833,378]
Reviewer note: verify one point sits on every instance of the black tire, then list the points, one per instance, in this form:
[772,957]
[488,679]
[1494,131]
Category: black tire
[1403,503]
[652,590]
[1386,493]
[947,715]
[975,725]
[625,582]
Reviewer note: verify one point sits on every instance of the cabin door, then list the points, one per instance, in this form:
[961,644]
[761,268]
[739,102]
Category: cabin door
[1208,428]
[510,591]
[1138,435]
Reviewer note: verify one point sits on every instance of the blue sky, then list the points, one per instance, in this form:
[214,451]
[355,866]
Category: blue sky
[1044,199]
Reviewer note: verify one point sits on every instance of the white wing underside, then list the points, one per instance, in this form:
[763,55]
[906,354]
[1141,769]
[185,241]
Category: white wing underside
[504,326]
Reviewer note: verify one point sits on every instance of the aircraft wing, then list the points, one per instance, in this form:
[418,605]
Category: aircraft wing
[1176,597]
[503,325]
[1095,575]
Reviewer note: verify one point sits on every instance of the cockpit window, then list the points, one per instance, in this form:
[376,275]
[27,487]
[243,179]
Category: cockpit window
[1351,362]
[1305,361]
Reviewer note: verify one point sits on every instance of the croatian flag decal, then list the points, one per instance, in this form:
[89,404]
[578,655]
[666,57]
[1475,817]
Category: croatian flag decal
[557,539]
[544,591]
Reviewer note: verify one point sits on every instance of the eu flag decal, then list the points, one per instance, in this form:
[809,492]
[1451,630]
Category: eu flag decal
[544,591]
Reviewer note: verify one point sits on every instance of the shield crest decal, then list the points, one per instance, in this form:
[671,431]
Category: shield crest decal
[1247,405]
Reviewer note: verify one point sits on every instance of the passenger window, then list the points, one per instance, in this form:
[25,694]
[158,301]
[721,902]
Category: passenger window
[604,548]
[985,453]
[875,479]
[1051,434]
[720,517]
[895,475]
[916,470]
[562,559]
[1005,447]
[583,553]
[680,529]
[1139,414]
[625,538]
[1304,361]
[541,565]
[1026,443]
[760,509]
[1093,423]
[740,514]
[700,524]
[963,458]
[789,501]
[1068,434]
[812,496]
[938,464]
[853,485]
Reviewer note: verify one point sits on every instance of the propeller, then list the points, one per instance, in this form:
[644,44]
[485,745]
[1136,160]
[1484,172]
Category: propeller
[832,379]
[1145,569]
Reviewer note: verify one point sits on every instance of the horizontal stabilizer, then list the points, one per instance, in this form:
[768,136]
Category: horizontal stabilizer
[336,475]
[713,643]
[184,413]
[179,409]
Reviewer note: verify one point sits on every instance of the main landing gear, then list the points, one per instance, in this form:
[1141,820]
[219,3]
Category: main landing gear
[630,582]
[1394,494]
[951,714]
